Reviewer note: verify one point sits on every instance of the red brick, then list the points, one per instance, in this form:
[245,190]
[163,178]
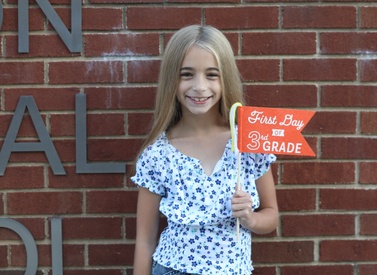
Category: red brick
[121,44]
[368,224]
[368,68]
[3,254]
[318,225]
[208,1]
[243,17]
[31,158]
[64,2]
[46,99]
[296,199]
[281,95]
[51,203]
[233,40]
[130,227]
[319,69]
[349,148]
[367,269]
[348,43]
[139,123]
[130,171]
[5,122]
[39,46]
[21,73]
[155,18]
[368,122]
[66,150]
[368,17]
[102,18]
[283,252]
[94,271]
[348,250]
[18,255]
[318,269]
[111,201]
[10,22]
[259,70]
[264,270]
[113,149]
[318,173]
[36,226]
[78,181]
[53,2]
[97,125]
[111,254]
[348,199]
[332,122]
[1,203]
[279,43]
[120,98]
[73,255]
[348,96]
[368,172]
[92,228]
[319,17]
[94,19]
[23,177]
[143,71]
[26,129]
[79,72]
[125,1]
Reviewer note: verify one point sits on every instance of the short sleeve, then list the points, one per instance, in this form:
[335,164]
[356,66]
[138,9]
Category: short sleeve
[262,164]
[148,171]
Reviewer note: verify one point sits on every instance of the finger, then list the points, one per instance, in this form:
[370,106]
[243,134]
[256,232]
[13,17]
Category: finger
[240,193]
[242,197]
[241,206]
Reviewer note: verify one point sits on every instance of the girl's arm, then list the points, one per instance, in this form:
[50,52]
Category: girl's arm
[264,220]
[148,217]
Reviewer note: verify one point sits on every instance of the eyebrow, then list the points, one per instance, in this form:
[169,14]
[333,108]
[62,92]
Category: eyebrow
[208,69]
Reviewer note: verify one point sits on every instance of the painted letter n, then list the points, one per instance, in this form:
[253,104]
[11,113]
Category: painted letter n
[73,40]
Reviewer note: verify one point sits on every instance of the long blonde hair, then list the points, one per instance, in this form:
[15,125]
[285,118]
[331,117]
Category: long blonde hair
[167,109]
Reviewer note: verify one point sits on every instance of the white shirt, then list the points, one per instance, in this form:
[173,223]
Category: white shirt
[201,234]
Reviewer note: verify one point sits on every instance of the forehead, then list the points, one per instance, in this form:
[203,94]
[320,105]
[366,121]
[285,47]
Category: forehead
[199,57]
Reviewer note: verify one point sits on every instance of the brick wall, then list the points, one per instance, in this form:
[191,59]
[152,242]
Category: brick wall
[317,55]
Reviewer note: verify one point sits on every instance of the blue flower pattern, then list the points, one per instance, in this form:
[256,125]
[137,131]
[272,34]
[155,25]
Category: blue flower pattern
[201,234]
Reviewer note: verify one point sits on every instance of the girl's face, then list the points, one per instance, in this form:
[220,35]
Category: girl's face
[199,87]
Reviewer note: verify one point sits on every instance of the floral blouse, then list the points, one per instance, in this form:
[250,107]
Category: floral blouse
[201,234]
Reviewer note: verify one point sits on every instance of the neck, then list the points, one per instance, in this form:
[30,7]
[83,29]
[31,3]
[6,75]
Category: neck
[203,125]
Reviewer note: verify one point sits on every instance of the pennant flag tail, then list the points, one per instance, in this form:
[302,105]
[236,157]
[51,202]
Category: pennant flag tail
[273,131]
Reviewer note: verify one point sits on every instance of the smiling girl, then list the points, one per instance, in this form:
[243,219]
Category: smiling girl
[187,172]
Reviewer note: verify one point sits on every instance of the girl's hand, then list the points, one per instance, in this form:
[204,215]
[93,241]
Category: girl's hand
[242,207]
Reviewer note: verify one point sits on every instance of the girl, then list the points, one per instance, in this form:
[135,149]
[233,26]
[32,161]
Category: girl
[187,171]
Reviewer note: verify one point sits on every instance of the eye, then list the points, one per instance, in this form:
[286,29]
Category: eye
[213,75]
[185,74]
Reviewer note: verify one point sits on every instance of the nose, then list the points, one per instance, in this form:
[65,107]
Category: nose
[200,84]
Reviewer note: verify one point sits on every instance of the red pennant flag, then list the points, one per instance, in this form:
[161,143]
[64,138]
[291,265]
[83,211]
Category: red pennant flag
[273,130]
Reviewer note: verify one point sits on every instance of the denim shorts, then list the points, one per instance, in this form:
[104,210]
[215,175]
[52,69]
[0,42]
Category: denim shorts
[158,269]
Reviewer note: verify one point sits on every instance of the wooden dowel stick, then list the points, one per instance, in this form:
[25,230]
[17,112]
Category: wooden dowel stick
[238,187]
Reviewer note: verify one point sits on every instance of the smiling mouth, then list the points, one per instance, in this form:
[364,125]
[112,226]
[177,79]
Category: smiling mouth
[199,99]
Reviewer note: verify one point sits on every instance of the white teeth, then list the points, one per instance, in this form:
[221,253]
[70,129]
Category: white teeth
[199,99]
